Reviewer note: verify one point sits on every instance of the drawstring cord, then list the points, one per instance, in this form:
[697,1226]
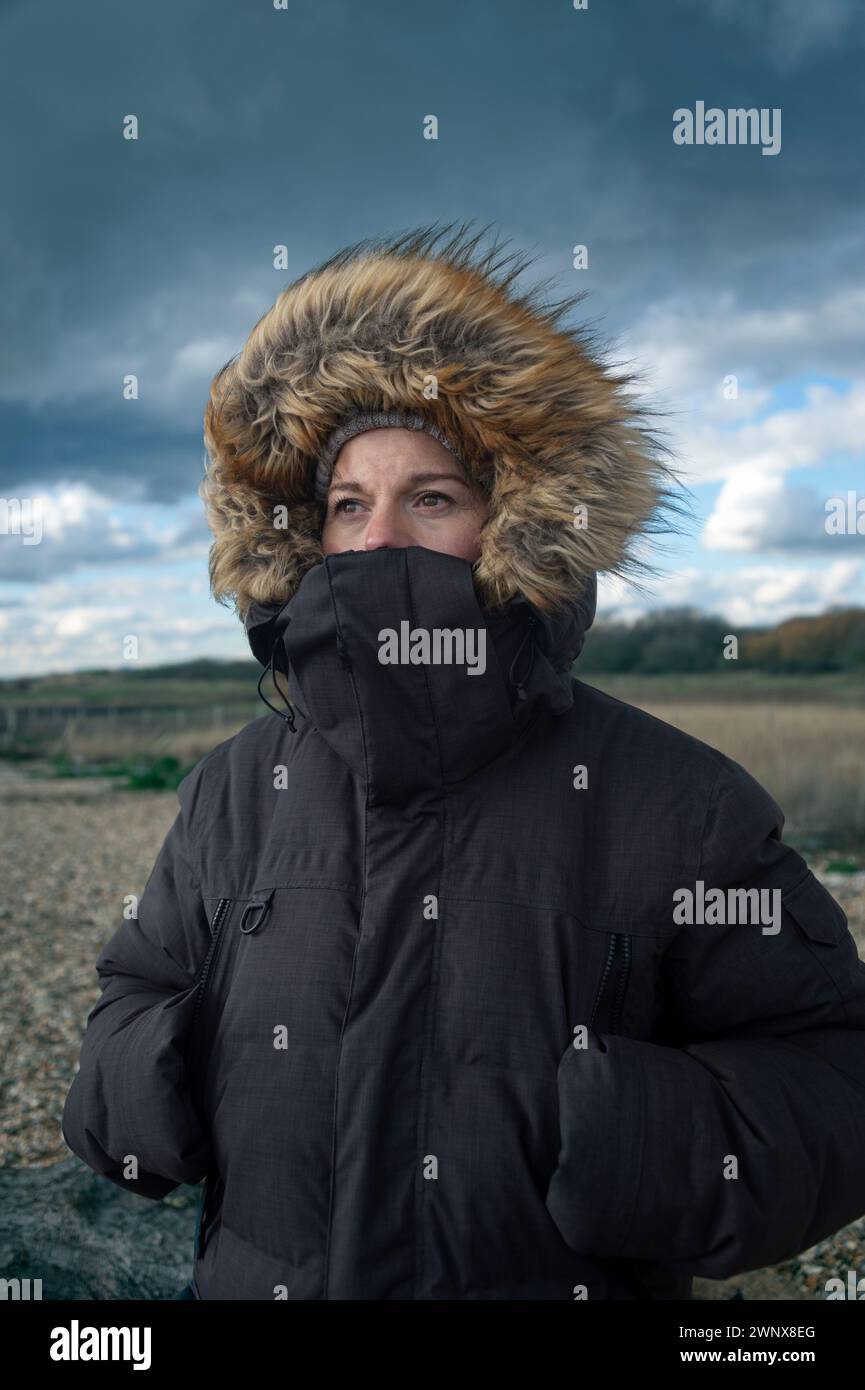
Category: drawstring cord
[521,684]
[342,653]
[289,718]
[345,662]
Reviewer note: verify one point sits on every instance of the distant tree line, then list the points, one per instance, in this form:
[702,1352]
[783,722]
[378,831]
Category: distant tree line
[683,639]
[670,640]
[205,669]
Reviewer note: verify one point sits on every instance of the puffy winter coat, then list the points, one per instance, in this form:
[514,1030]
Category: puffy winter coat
[411,984]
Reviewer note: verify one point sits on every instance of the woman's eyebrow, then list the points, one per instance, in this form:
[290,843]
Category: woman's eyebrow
[411,481]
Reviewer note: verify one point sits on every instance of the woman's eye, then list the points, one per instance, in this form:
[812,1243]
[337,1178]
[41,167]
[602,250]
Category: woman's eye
[341,504]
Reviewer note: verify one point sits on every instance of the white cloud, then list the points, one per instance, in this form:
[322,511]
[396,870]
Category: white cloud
[715,439]
[751,594]
[759,510]
[828,423]
[90,621]
[688,346]
[81,624]
[82,527]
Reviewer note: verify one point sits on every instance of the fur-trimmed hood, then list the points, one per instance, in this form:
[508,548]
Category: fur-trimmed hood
[432,326]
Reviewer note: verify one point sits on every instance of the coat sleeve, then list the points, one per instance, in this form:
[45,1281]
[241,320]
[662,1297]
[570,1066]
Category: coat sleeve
[734,1138]
[130,1097]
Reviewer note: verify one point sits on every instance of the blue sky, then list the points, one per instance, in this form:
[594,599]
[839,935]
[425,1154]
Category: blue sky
[303,126]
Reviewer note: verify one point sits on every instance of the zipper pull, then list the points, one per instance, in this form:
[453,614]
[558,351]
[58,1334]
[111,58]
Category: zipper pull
[254,914]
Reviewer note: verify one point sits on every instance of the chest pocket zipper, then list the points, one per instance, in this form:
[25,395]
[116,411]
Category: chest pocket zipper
[254,914]
[251,919]
[211,1187]
[614,984]
[217,922]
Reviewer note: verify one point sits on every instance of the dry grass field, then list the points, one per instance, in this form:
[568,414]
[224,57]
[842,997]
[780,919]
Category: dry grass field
[808,752]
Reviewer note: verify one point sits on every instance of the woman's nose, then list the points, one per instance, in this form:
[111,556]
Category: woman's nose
[386,528]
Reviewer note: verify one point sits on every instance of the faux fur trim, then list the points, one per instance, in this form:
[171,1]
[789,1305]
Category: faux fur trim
[529,404]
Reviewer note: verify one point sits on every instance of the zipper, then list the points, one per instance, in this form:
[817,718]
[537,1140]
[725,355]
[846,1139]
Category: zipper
[216,922]
[625,970]
[254,914]
[617,968]
[212,1195]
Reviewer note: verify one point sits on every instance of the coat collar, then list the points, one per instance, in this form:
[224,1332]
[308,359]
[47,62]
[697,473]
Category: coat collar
[406,726]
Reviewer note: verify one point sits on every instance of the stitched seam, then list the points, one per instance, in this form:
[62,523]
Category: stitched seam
[189,829]
[364,878]
[828,973]
[324,885]
[810,945]
[709,804]
[639,1185]
[547,907]
[422,1130]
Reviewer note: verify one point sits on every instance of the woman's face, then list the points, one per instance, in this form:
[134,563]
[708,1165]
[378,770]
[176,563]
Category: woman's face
[396,487]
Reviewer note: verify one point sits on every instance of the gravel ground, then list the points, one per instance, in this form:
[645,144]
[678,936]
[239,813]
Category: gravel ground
[73,849]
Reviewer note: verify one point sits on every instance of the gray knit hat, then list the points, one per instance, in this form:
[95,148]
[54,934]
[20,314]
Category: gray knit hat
[357,422]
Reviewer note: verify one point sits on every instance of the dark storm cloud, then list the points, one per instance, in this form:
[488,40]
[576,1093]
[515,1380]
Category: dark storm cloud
[303,127]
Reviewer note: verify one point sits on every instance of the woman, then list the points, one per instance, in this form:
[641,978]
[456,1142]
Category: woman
[411,984]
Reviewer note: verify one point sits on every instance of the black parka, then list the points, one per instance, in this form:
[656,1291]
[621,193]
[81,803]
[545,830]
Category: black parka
[407,984]
[410,983]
